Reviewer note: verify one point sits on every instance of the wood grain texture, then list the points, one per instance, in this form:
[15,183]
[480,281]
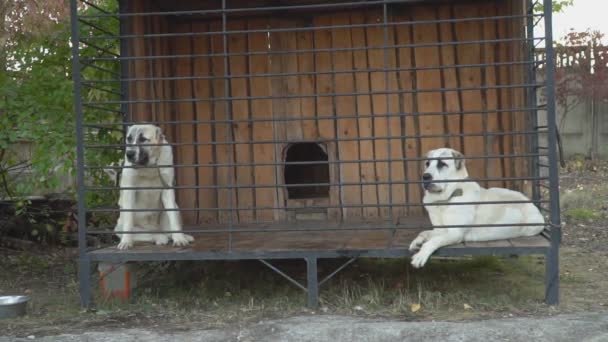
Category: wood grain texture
[261,111]
[347,128]
[241,127]
[202,87]
[422,82]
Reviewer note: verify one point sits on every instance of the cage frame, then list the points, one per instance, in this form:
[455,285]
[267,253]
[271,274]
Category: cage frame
[311,257]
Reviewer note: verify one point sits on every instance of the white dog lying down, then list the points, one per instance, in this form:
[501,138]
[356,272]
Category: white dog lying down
[447,164]
[141,153]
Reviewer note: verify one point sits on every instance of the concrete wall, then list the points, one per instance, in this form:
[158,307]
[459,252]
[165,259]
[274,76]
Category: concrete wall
[583,129]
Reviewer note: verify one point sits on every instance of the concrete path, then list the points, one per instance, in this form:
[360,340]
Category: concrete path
[579,328]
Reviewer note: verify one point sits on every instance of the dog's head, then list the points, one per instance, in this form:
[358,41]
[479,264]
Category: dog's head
[142,144]
[440,165]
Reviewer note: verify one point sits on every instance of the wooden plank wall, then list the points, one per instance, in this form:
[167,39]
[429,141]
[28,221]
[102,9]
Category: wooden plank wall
[382,115]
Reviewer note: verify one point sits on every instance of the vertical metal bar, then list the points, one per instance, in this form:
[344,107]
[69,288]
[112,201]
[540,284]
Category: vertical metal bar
[124,64]
[312,284]
[228,110]
[552,272]
[84,263]
[534,168]
[388,120]
[552,260]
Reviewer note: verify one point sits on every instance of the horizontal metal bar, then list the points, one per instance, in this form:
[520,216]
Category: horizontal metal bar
[312,73]
[523,110]
[343,206]
[190,13]
[302,185]
[360,161]
[400,252]
[321,140]
[325,50]
[106,128]
[318,28]
[318,95]
[103,108]
[317,229]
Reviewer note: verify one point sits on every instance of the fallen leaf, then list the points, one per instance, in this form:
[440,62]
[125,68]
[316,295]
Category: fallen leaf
[415,307]
[467,307]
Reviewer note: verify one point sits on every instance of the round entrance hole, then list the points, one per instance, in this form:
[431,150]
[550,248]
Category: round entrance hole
[310,167]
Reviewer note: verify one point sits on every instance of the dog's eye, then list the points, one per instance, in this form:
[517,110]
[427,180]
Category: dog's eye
[142,139]
[427,163]
[441,164]
[129,138]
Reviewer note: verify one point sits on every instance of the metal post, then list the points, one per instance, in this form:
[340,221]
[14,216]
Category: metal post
[84,275]
[124,64]
[84,263]
[552,260]
[552,273]
[534,167]
[312,284]
[229,136]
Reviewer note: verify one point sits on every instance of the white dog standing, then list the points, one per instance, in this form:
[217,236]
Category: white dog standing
[146,148]
[447,164]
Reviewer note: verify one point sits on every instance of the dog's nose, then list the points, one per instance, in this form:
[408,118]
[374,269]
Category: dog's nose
[130,154]
[427,177]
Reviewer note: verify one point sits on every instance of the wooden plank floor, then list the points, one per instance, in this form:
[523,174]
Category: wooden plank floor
[315,236]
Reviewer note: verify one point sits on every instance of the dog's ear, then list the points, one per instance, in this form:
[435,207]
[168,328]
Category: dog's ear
[159,134]
[458,159]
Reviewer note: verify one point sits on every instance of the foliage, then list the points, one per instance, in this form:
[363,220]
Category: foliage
[557,5]
[36,97]
[31,17]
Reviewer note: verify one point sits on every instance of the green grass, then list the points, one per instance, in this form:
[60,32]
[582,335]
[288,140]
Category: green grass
[585,202]
[581,214]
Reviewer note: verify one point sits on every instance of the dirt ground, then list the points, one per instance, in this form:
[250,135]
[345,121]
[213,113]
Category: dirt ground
[209,295]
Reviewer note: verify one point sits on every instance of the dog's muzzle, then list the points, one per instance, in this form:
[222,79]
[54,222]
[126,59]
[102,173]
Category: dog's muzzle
[133,158]
[426,180]
[428,185]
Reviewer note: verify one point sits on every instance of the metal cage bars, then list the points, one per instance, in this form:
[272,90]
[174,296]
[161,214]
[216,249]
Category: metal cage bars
[530,86]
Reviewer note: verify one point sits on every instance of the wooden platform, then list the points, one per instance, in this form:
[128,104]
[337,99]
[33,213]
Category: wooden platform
[319,239]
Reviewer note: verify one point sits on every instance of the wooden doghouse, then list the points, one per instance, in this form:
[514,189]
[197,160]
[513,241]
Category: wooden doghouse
[364,102]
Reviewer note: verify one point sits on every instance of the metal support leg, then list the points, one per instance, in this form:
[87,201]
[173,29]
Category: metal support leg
[552,275]
[312,283]
[84,275]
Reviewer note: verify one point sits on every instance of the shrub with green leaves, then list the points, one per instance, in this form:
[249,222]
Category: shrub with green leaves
[37,106]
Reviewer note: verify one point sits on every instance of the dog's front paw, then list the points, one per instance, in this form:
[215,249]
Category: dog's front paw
[125,243]
[419,259]
[180,239]
[161,239]
[416,244]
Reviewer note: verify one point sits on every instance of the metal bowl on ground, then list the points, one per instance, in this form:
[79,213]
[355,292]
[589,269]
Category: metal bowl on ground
[13,306]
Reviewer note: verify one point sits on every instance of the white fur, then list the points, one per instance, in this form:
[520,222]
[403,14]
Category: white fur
[427,242]
[150,221]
